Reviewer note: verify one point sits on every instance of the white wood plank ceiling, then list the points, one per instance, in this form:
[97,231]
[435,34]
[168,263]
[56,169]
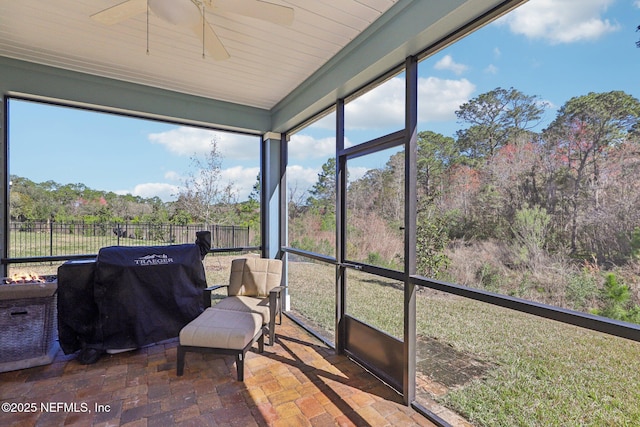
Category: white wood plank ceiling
[267,61]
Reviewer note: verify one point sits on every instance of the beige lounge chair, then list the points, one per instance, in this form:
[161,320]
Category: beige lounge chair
[255,287]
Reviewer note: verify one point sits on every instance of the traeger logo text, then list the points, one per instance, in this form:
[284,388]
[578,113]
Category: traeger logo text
[154,259]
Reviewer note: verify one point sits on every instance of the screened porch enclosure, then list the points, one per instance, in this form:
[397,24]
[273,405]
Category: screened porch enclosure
[380,301]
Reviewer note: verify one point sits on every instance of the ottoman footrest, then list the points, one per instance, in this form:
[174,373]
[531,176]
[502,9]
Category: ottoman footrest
[222,332]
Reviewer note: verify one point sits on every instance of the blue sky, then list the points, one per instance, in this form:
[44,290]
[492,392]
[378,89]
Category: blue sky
[553,49]
[141,157]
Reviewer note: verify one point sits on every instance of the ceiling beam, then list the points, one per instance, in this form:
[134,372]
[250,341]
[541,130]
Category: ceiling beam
[55,85]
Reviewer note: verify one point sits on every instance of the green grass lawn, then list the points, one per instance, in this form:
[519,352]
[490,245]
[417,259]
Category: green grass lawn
[29,244]
[547,373]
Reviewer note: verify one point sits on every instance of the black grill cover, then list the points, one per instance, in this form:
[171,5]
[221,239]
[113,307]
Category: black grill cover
[146,294]
[77,310]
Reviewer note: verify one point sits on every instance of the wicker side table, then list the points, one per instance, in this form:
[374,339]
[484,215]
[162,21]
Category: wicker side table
[28,324]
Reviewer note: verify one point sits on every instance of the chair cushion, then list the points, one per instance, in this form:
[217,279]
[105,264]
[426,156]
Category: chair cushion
[216,328]
[247,305]
[254,276]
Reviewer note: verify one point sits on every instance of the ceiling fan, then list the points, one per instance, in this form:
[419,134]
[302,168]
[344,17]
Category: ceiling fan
[191,14]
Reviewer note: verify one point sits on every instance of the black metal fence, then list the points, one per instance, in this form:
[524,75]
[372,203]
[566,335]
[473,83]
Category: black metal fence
[38,239]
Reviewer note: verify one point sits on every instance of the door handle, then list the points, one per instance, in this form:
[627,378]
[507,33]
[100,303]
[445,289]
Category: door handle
[349,265]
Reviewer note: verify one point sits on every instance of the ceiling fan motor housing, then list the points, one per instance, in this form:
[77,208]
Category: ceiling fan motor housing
[183,13]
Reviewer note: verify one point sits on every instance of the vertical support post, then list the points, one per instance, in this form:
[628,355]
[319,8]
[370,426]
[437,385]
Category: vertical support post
[284,220]
[270,194]
[4,184]
[410,226]
[50,236]
[341,229]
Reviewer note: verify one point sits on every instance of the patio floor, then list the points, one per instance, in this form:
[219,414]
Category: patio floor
[297,382]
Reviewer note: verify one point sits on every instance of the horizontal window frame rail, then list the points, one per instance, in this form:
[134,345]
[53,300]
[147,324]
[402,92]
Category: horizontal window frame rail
[373,269]
[312,255]
[359,266]
[384,142]
[25,260]
[584,320]
[236,249]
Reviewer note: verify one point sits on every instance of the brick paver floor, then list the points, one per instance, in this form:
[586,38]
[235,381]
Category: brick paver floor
[296,382]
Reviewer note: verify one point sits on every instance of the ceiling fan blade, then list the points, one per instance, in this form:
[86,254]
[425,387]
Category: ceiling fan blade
[212,43]
[120,12]
[271,12]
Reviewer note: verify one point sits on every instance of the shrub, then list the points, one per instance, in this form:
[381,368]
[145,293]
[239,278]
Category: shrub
[311,244]
[530,228]
[635,243]
[617,301]
[582,290]
[431,241]
[489,277]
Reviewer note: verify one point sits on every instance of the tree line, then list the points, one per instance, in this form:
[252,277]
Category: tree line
[572,187]
[564,200]
[202,199]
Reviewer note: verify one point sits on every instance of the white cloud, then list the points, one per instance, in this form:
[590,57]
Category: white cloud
[164,191]
[300,179]
[497,53]
[357,172]
[302,174]
[384,107]
[302,146]
[184,141]
[326,122]
[381,107]
[241,178]
[173,176]
[447,63]
[491,69]
[187,141]
[561,21]
[637,4]
[438,99]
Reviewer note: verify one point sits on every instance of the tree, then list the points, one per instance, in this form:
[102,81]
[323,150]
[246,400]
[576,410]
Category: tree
[495,118]
[436,153]
[617,301]
[203,196]
[21,206]
[511,179]
[248,212]
[432,237]
[128,207]
[365,191]
[380,191]
[255,190]
[578,140]
[323,192]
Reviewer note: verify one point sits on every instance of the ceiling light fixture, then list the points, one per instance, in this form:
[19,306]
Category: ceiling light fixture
[183,13]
